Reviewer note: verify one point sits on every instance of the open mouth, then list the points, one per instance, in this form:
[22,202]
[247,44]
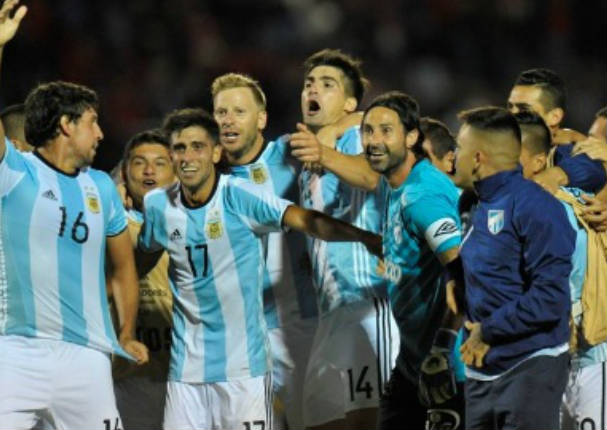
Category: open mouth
[149,183]
[188,170]
[374,154]
[229,136]
[313,107]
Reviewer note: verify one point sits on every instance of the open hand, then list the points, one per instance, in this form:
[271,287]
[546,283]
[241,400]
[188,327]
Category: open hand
[8,25]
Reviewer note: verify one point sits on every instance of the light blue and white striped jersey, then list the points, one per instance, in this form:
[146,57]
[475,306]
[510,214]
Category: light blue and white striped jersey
[588,355]
[52,251]
[344,272]
[421,221]
[288,289]
[216,268]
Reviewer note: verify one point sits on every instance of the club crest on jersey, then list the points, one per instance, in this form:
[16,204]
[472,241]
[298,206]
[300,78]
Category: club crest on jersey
[92,202]
[495,220]
[214,229]
[259,174]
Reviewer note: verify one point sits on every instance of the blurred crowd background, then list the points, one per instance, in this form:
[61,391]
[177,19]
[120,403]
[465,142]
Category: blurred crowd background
[146,57]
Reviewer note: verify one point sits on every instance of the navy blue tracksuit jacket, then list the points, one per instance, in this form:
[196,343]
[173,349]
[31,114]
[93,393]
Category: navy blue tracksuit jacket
[517,261]
[583,172]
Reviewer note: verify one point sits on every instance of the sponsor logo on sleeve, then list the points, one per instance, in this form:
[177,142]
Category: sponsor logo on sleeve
[441,231]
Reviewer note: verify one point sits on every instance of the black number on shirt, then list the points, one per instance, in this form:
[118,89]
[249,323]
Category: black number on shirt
[80,230]
[362,386]
[193,257]
[587,424]
[254,425]
[108,424]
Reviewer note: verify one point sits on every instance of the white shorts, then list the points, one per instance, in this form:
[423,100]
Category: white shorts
[584,404]
[290,346]
[56,384]
[140,401]
[241,404]
[354,351]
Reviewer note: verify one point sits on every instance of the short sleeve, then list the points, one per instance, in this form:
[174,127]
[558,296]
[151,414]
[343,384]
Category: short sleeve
[148,235]
[260,210]
[117,221]
[12,168]
[436,221]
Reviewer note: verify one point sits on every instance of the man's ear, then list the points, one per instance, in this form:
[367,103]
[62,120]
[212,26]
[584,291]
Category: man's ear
[65,125]
[411,138]
[539,163]
[350,105]
[555,117]
[217,151]
[262,120]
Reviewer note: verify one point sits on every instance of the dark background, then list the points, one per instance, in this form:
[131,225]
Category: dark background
[146,57]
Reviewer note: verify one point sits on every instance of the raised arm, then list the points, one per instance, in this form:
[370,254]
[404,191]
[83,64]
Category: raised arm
[8,28]
[352,169]
[329,229]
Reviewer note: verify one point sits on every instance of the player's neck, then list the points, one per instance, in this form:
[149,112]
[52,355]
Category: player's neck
[59,157]
[250,155]
[200,195]
[399,174]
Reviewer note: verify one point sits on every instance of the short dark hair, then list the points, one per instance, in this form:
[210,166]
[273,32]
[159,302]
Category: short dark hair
[492,119]
[155,136]
[602,112]
[438,134]
[47,103]
[180,119]
[355,82]
[554,94]
[533,125]
[407,109]
[13,121]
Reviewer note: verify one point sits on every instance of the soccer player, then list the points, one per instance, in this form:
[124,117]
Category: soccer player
[356,343]
[517,262]
[13,121]
[543,92]
[214,228]
[439,144]
[584,400]
[289,298]
[59,218]
[141,391]
[421,236]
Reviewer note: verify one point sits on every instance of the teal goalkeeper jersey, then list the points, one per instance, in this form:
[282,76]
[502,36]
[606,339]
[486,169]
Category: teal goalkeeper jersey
[421,221]
[52,251]
[216,269]
[288,289]
[344,272]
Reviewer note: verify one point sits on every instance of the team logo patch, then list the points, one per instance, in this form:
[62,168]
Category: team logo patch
[92,202]
[214,229]
[259,174]
[495,220]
